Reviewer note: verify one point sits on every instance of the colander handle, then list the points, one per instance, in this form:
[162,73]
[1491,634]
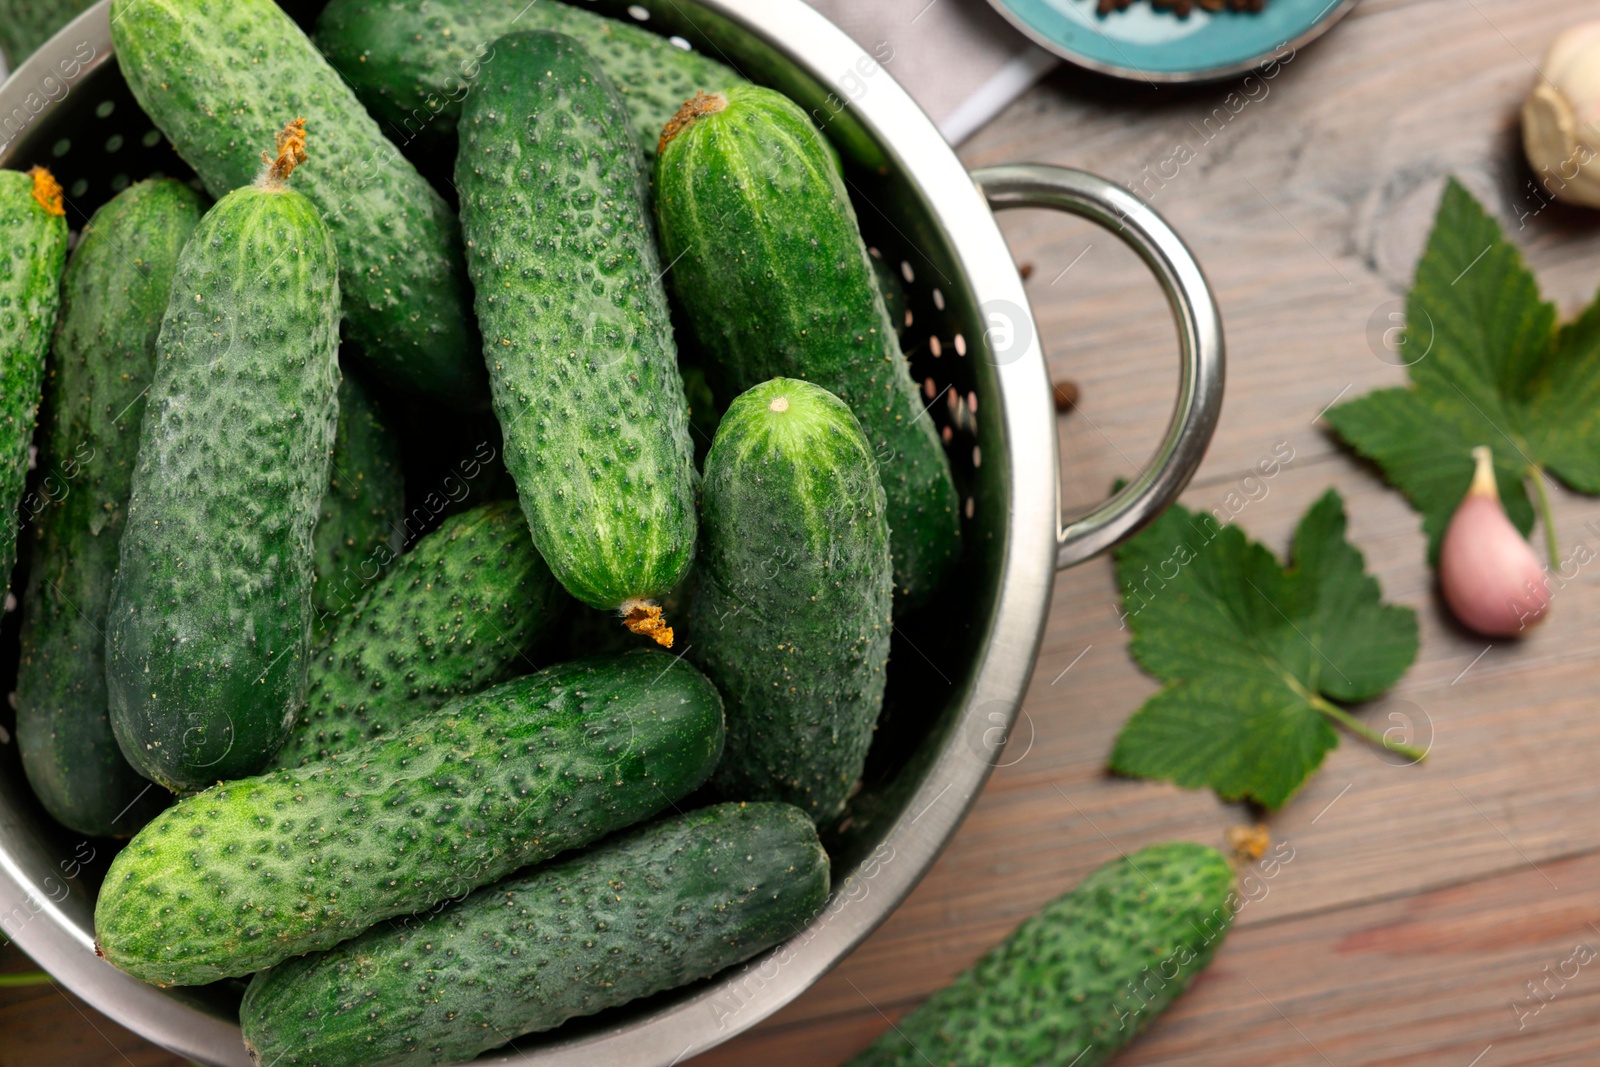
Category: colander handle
[1200,343]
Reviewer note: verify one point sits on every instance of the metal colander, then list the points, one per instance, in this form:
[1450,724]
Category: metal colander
[958,669]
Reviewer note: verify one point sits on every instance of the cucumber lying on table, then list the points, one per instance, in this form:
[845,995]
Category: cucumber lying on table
[33,225]
[770,267]
[792,610]
[219,77]
[114,294]
[1076,982]
[455,614]
[581,359]
[209,626]
[655,909]
[251,872]
[412,62]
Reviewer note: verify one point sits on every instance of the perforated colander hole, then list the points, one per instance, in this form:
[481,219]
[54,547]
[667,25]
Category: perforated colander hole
[79,187]
[977,456]
[104,108]
[119,183]
[935,347]
[938,298]
[907,273]
[679,42]
[929,389]
[971,507]
[960,417]
[638,13]
[151,138]
[61,147]
[961,345]
[113,143]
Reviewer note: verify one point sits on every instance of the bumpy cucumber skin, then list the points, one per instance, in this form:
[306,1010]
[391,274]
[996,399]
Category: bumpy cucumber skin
[30,295]
[358,526]
[252,872]
[456,614]
[27,24]
[575,325]
[220,78]
[792,613]
[113,296]
[412,62]
[769,265]
[1076,982]
[208,633]
[656,909]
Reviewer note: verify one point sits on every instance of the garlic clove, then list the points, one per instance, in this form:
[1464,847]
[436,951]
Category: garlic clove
[1489,575]
[1561,118]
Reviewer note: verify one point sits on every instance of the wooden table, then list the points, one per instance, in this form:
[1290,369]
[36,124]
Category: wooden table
[1424,904]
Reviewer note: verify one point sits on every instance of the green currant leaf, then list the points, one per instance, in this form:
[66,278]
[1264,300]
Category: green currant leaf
[1491,368]
[1253,653]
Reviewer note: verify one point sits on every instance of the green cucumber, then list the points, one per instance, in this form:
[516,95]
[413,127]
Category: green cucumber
[112,299]
[252,872]
[358,526]
[219,77]
[741,173]
[792,610]
[576,332]
[893,291]
[455,614]
[35,230]
[27,24]
[1076,982]
[210,620]
[413,62]
[656,909]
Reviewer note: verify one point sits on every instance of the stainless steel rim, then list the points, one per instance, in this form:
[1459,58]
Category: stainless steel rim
[1200,342]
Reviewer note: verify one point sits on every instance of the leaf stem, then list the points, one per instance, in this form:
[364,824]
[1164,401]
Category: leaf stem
[1367,733]
[26,978]
[1546,516]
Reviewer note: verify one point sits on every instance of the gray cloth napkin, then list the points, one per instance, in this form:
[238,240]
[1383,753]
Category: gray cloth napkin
[957,58]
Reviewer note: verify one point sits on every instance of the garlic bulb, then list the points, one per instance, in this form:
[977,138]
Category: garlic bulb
[1561,119]
[1488,574]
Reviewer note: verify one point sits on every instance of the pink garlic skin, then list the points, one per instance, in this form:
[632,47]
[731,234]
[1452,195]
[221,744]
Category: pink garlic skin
[1488,573]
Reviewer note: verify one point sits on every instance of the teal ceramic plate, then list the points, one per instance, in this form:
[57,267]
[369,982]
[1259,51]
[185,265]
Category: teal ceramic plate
[1141,42]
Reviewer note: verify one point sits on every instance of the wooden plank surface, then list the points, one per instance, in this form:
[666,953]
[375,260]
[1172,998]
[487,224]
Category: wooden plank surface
[1421,899]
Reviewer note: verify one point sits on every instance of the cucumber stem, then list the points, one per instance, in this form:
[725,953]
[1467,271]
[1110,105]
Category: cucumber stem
[291,153]
[644,617]
[696,107]
[47,191]
[1546,515]
[1365,732]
